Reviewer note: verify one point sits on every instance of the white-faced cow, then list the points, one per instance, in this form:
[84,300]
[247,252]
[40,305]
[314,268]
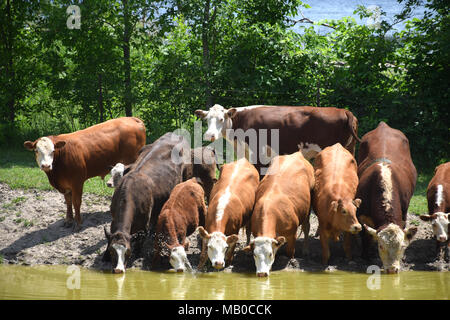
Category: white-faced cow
[117,172]
[334,197]
[230,208]
[387,178]
[142,192]
[438,197]
[309,128]
[283,201]
[180,216]
[70,159]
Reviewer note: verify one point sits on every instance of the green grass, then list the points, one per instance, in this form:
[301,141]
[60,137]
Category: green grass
[19,170]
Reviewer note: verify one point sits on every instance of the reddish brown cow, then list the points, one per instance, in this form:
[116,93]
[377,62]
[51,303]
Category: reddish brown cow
[438,197]
[70,159]
[387,178]
[230,208]
[179,218]
[310,128]
[283,200]
[334,197]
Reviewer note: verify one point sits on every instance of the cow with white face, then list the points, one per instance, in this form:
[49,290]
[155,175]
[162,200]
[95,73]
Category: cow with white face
[178,259]
[44,150]
[283,201]
[117,172]
[439,223]
[218,119]
[392,242]
[230,207]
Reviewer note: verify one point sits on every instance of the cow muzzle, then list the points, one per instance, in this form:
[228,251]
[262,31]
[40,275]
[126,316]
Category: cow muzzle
[262,274]
[355,228]
[46,167]
[219,265]
[118,270]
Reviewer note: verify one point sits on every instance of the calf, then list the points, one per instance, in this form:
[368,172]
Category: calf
[438,197]
[70,159]
[334,197]
[180,216]
[387,178]
[140,195]
[117,172]
[283,201]
[230,208]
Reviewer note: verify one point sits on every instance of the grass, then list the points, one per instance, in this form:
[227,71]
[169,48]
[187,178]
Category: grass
[19,170]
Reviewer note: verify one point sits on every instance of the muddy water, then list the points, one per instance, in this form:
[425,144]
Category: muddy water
[59,282]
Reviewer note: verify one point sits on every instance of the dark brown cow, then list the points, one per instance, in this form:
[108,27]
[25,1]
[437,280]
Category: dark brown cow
[283,201]
[230,208]
[141,193]
[387,178]
[180,216]
[310,128]
[438,197]
[334,197]
[70,159]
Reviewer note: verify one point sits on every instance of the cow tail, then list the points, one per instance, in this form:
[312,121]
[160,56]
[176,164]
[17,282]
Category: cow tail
[353,125]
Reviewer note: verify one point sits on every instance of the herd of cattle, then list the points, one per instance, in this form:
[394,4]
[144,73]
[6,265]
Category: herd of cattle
[152,192]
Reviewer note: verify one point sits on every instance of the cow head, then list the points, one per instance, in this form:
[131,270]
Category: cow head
[178,258]
[344,215]
[439,222]
[218,119]
[119,249]
[116,175]
[217,244]
[44,149]
[264,250]
[392,242]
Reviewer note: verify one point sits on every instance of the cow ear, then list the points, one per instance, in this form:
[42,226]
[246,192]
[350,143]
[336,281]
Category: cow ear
[231,112]
[357,202]
[425,217]
[232,239]
[410,233]
[279,241]
[60,144]
[203,233]
[201,113]
[29,145]
[371,231]
[186,245]
[334,205]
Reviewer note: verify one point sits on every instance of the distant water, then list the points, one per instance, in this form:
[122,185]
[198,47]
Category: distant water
[337,9]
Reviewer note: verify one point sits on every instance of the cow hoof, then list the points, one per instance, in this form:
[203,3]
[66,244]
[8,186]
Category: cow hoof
[76,227]
[68,223]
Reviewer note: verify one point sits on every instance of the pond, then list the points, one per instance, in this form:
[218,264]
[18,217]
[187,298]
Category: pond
[72,282]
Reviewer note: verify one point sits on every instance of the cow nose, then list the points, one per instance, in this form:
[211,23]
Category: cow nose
[180,270]
[118,271]
[109,184]
[262,274]
[355,228]
[392,270]
[218,265]
[442,238]
[45,167]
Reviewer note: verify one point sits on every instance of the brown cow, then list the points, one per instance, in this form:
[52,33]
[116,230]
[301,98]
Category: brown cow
[142,192]
[387,178]
[334,197]
[310,128]
[230,208]
[70,159]
[283,201]
[438,197]
[180,216]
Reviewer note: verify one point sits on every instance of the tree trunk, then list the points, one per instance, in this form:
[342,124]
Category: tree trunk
[9,70]
[126,60]
[100,97]
[206,54]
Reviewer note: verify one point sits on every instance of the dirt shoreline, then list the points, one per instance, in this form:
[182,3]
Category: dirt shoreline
[32,233]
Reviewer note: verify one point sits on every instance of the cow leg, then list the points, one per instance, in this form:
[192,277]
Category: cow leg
[203,255]
[248,231]
[305,228]
[290,247]
[69,214]
[348,245]
[76,200]
[325,247]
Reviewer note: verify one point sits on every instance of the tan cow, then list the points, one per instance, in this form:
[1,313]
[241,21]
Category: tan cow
[334,197]
[230,208]
[283,201]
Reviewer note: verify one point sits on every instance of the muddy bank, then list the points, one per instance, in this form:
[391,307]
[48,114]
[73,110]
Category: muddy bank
[32,232]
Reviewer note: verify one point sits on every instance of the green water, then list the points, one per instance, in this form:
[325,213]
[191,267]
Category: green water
[57,282]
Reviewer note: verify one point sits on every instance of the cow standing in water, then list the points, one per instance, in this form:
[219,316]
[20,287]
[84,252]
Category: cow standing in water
[230,208]
[438,198]
[334,197]
[142,192]
[309,128]
[70,159]
[387,178]
[283,201]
